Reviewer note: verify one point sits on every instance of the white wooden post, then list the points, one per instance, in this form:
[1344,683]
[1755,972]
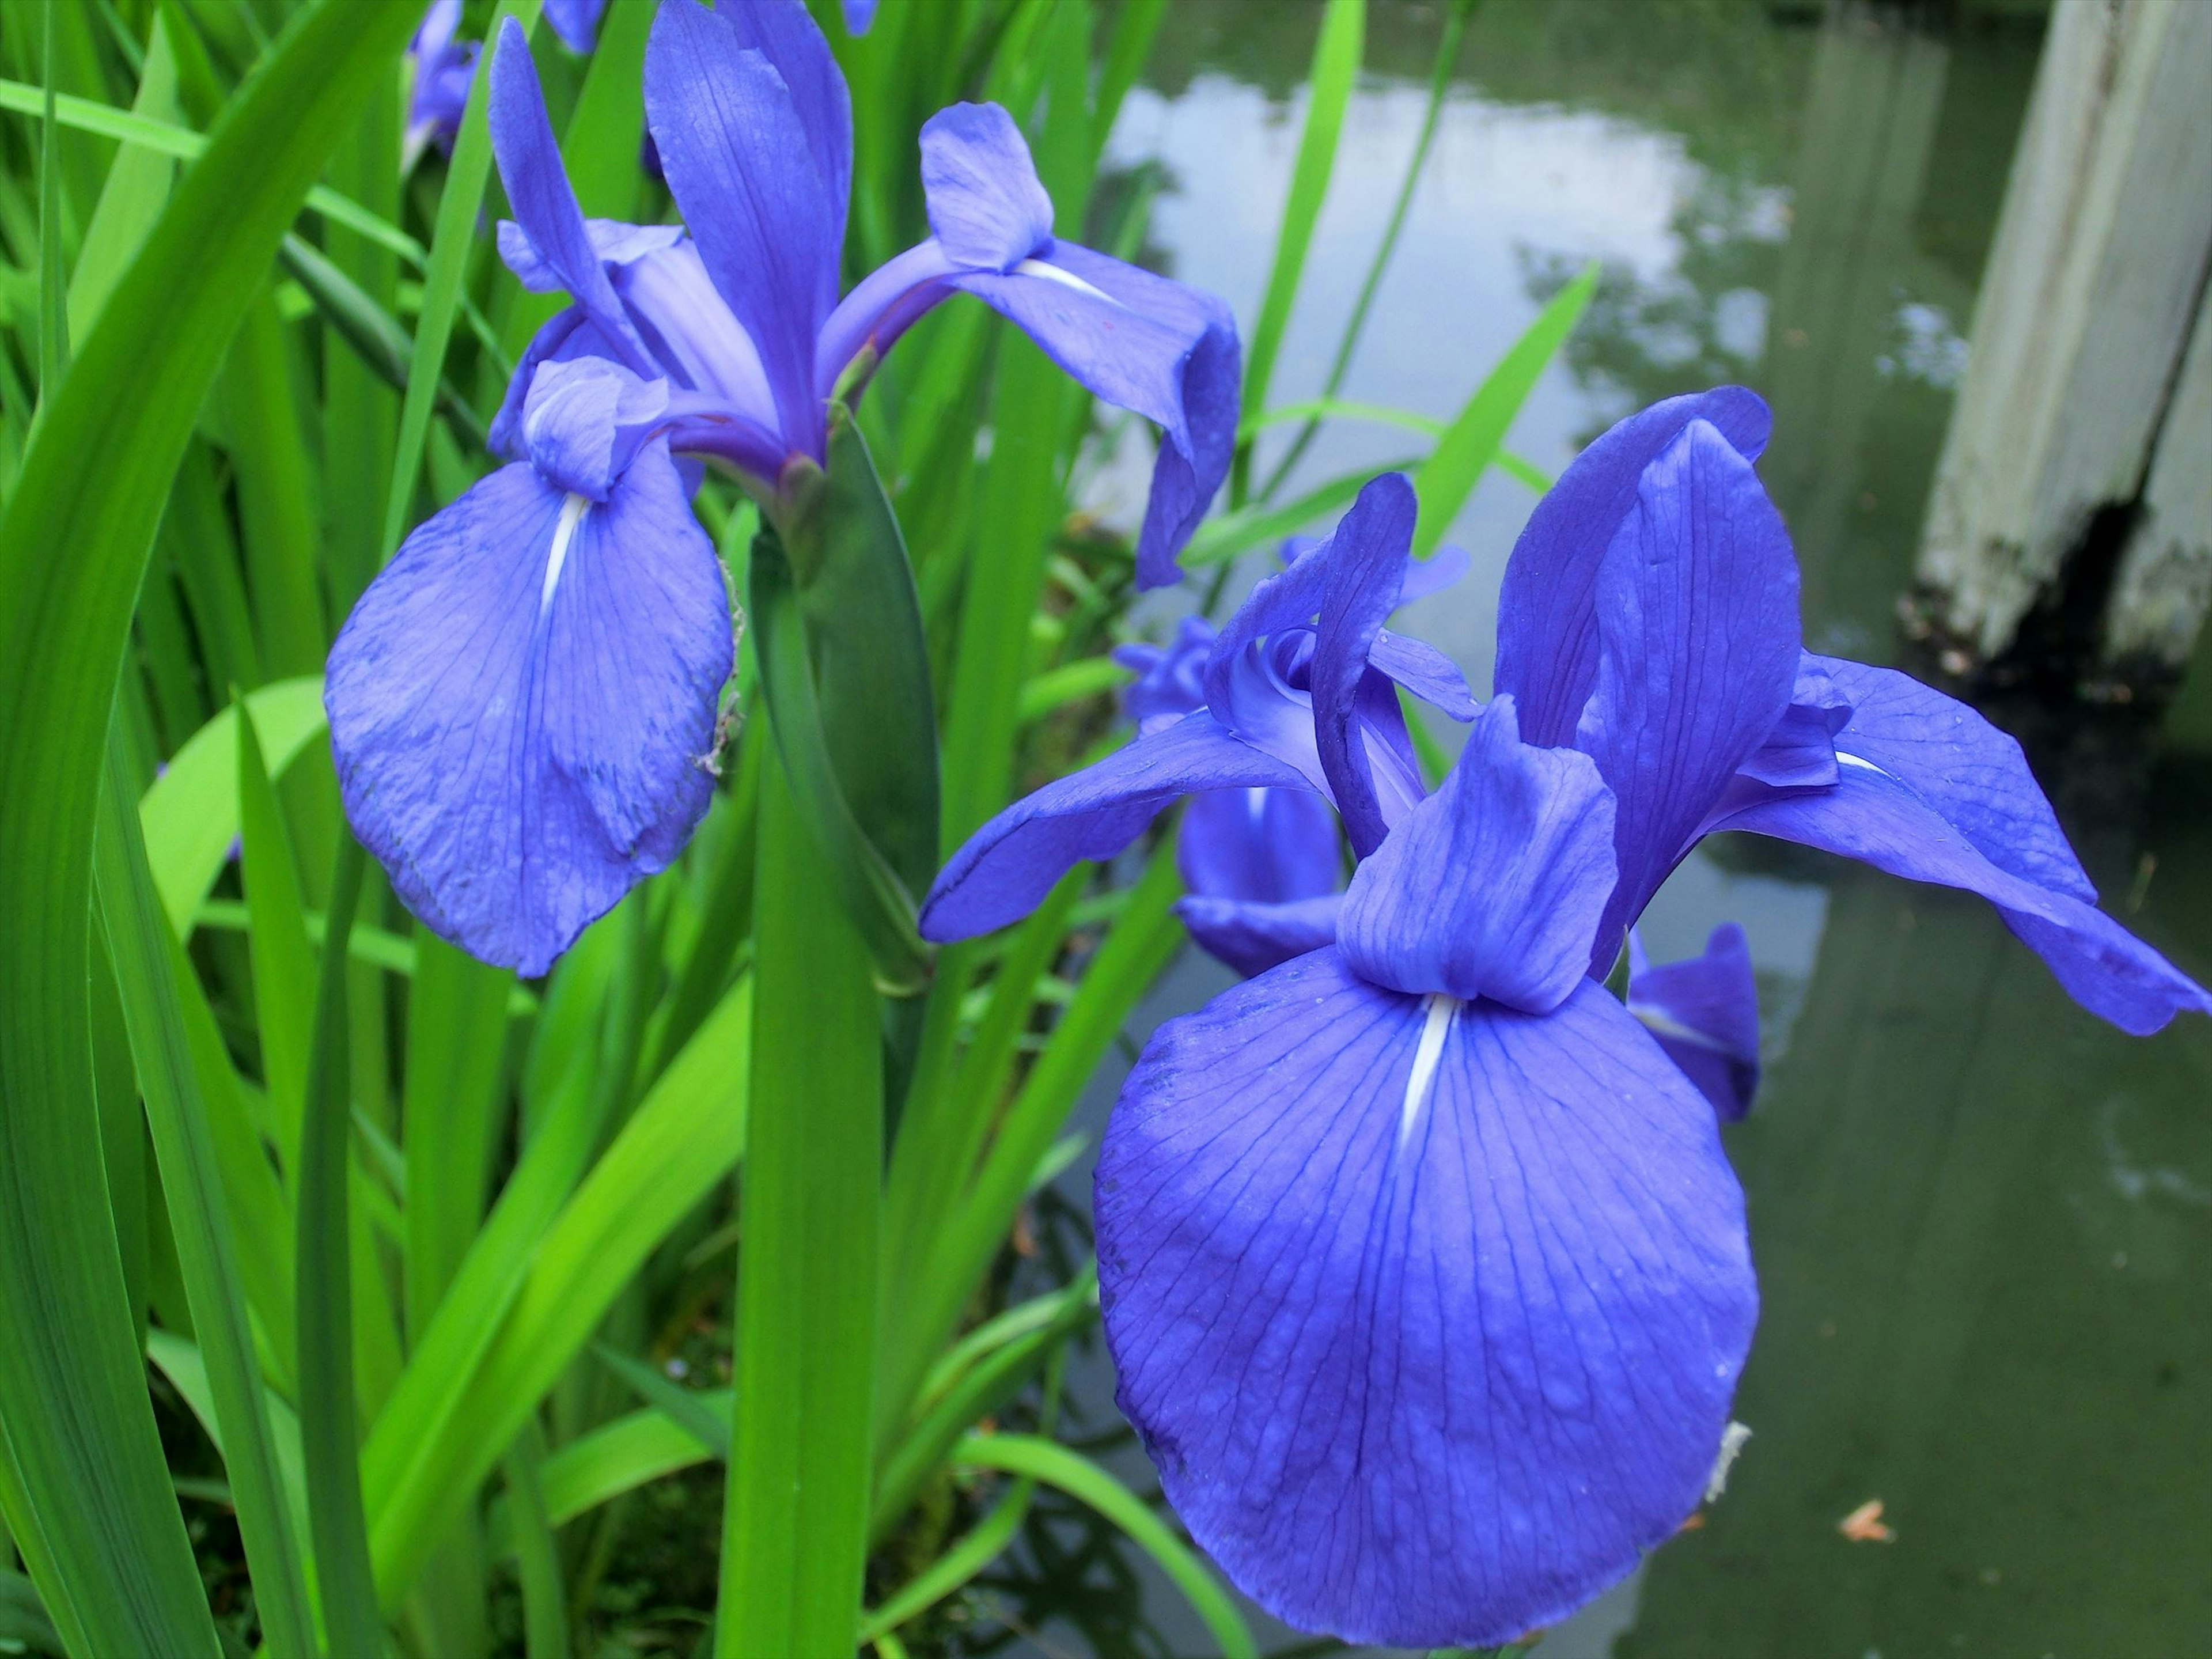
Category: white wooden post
[2095,284]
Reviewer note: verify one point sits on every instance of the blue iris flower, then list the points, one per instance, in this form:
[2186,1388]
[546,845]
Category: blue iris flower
[1264,868]
[522,706]
[1424,1273]
[442,69]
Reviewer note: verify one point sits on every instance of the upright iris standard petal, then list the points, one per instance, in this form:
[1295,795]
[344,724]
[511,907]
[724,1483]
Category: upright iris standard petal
[1140,342]
[1955,761]
[1428,1313]
[538,188]
[1547,608]
[1493,886]
[1696,601]
[784,32]
[986,209]
[1009,864]
[1366,570]
[742,162]
[1875,817]
[443,69]
[1705,1013]
[520,704]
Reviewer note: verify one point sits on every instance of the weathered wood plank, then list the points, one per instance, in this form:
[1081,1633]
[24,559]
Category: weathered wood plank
[2086,309]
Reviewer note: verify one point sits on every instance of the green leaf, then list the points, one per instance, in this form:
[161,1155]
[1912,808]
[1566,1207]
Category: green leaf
[544,1603]
[87,115]
[137,188]
[460,1405]
[327,1431]
[190,814]
[141,946]
[794,1535]
[1081,1479]
[1070,682]
[694,1410]
[74,542]
[1329,83]
[23,1618]
[1219,540]
[458,208]
[953,1569]
[1471,442]
[283,960]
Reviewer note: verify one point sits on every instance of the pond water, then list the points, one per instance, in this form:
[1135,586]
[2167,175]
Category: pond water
[1981,1217]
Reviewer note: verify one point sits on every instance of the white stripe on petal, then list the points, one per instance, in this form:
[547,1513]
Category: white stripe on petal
[1427,1057]
[572,514]
[1065,278]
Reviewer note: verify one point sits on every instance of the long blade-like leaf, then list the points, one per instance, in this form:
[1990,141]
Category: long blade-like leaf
[74,542]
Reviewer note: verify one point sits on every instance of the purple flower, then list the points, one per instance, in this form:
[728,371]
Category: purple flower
[1290,710]
[442,69]
[576,22]
[1424,1273]
[1264,868]
[523,704]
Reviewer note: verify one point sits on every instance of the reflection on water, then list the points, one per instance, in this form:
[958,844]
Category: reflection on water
[1981,1217]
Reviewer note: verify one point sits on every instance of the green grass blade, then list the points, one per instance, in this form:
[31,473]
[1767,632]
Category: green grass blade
[544,1602]
[695,1410]
[139,944]
[432,1447]
[283,960]
[190,814]
[88,115]
[1081,1479]
[1348,343]
[74,544]
[1233,534]
[1335,67]
[325,1318]
[137,190]
[54,277]
[796,1515]
[1473,440]
[1332,408]
[449,1112]
[955,1568]
[458,208]
[23,1619]
[262,418]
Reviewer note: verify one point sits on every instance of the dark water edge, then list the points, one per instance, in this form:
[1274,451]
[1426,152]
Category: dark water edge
[1982,1219]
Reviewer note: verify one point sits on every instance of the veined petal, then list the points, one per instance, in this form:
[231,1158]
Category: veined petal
[1440,570]
[986,207]
[1705,1013]
[613,243]
[1251,936]
[1799,752]
[520,704]
[1955,761]
[1009,864]
[538,188]
[1547,608]
[1365,567]
[568,336]
[1428,1313]
[692,334]
[1881,819]
[1697,605]
[1169,683]
[1266,845]
[586,421]
[1493,886]
[739,157]
[1424,671]
[785,34]
[1145,344]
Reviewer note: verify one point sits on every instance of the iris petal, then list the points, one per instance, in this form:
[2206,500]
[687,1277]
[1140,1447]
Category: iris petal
[537,187]
[1428,1378]
[614,242]
[738,156]
[1145,344]
[1799,752]
[1366,566]
[576,22]
[986,207]
[1970,772]
[586,421]
[1492,885]
[1009,864]
[1697,620]
[1548,608]
[1705,1013]
[1882,820]
[520,703]
[1266,845]
[1252,936]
